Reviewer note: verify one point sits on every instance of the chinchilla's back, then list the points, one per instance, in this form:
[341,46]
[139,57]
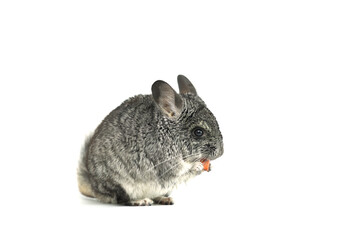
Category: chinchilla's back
[121,142]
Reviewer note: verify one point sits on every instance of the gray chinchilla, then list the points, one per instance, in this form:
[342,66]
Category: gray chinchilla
[148,145]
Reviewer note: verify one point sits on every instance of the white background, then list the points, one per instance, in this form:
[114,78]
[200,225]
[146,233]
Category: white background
[282,78]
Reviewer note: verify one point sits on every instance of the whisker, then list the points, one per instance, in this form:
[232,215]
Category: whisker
[190,157]
[159,164]
[170,168]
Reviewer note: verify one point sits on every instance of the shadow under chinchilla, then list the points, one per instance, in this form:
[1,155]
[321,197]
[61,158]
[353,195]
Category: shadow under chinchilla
[94,202]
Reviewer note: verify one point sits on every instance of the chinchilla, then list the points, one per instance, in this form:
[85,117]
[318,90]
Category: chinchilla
[148,145]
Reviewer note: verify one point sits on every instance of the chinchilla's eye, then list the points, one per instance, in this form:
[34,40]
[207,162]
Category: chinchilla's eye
[198,132]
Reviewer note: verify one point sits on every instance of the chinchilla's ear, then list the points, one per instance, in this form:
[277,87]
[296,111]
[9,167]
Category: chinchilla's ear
[167,99]
[185,86]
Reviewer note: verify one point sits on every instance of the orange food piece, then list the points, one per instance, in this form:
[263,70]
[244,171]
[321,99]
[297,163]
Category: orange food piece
[206,164]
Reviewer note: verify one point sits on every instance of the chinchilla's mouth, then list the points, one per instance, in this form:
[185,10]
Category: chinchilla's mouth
[194,158]
[204,159]
[199,157]
[208,157]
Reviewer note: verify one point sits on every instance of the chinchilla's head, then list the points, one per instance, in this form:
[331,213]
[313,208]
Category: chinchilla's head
[197,135]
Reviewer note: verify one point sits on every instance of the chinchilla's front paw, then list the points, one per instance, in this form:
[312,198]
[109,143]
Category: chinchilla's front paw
[197,167]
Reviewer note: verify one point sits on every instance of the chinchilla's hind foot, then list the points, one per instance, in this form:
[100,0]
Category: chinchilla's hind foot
[164,200]
[141,202]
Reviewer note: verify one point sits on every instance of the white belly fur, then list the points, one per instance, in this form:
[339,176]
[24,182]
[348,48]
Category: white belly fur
[145,190]
[154,189]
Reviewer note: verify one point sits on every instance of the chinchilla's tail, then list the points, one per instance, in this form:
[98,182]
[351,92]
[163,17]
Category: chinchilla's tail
[82,172]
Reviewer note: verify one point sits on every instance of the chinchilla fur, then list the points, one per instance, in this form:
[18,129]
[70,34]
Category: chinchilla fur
[148,145]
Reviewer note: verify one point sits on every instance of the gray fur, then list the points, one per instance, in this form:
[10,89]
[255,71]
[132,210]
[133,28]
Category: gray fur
[146,147]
